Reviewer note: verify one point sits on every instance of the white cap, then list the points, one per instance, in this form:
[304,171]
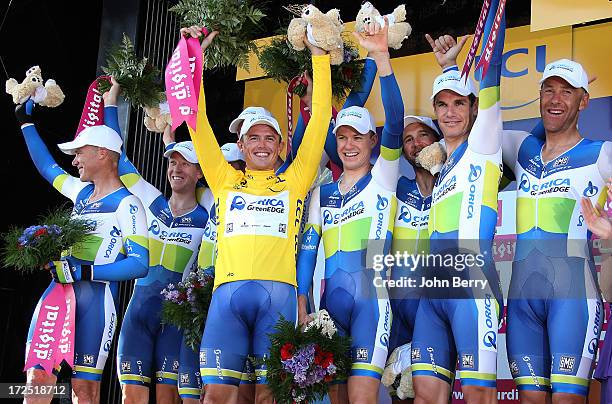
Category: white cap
[568,70]
[185,149]
[260,119]
[408,119]
[246,113]
[358,118]
[451,80]
[99,135]
[231,152]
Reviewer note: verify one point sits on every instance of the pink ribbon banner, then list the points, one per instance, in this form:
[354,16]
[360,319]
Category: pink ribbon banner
[484,11]
[487,50]
[183,77]
[93,110]
[53,339]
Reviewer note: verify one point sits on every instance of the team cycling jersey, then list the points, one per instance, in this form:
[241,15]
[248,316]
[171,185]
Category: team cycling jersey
[118,250]
[464,212]
[259,212]
[553,275]
[258,217]
[355,227]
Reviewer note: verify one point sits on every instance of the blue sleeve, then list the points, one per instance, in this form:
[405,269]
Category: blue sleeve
[307,260]
[386,168]
[394,113]
[539,131]
[44,162]
[307,257]
[359,97]
[355,98]
[111,119]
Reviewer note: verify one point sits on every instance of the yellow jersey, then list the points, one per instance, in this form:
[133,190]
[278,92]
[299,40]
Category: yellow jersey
[258,212]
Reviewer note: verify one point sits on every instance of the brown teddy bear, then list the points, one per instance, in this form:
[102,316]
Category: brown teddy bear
[47,95]
[322,30]
[157,118]
[398,28]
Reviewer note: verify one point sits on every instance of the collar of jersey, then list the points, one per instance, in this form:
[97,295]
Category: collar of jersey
[259,174]
[357,188]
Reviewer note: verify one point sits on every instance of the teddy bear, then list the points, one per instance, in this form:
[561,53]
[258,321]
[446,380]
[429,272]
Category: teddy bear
[432,157]
[398,28]
[399,365]
[47,95]
[157,118]
[322,30]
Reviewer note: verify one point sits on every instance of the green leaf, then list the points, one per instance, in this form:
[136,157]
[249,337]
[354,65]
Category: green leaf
[139,79]
[235,19]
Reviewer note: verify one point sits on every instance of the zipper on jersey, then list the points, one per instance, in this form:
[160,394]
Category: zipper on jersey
[161,256]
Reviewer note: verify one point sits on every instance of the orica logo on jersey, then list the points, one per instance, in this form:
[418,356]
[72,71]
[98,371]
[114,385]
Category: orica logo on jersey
[524,184]
[490,337]
[154,228]
[175,236]
[550,186]
[475,172]
[352,211]
[593,346]
[382,202]
[238,203]
[448,185]
[405,215]
[590,190]
[209,232]
[133,209]
[384,338]
[114,233]
[273,205]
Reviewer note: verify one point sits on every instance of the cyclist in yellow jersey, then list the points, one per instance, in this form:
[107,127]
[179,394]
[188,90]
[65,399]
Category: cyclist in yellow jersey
[259,215]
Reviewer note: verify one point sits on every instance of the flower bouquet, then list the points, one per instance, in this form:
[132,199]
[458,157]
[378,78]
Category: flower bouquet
[32,248]
[302,362]
[186,305]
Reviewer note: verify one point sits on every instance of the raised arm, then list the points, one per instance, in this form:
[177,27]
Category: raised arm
[304,167]
[307,257]
[45,164]
[128,173]
[386,169]
[486,135]
[214,167]
[355,98]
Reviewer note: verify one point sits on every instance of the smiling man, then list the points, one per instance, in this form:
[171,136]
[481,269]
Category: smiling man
[553,328]
[462,322]
[116,251]
[259,214]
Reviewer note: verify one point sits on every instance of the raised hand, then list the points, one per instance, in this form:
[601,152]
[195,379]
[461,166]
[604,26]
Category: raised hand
[314,50]
[196,31]
[596,219]
[110,97]
[168,135]
[446,49]
[374,39]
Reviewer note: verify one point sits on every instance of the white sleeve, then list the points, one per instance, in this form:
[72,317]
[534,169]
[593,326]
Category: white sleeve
[511,142]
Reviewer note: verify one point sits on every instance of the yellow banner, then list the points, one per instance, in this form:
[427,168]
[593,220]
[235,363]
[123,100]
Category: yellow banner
[547,14]
[525,56]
